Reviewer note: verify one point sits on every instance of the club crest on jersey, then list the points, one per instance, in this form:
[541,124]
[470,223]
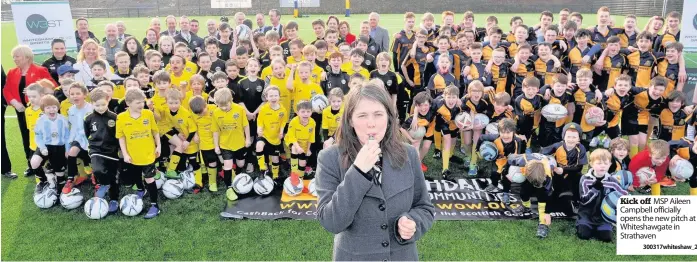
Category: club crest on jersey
[236,116]
[372,48]
[54,135]
[111,123]
[260,88]
[368,62]
[343,81]
[311,129]
[389,82]
[68,63]
[180,121]
[146,121]
[681,122]
[280,115]
[647,63]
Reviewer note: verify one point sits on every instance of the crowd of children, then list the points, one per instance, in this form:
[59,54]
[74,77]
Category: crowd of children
[245,107]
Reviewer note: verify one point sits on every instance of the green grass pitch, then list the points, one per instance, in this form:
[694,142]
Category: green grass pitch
[190,228]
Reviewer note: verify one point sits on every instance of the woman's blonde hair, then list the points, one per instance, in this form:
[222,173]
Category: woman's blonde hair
[81,55]
[24,50]
[391,144]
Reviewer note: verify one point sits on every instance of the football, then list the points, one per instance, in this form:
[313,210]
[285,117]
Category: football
[131,205]
[71,200]
[242,183]
[46,198]
[96,208]
[319,102]
[263,186]
[608,207]
[173,189]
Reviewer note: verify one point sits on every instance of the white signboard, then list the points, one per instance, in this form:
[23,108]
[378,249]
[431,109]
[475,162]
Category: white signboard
[688,31]
[38,23]
[231,3]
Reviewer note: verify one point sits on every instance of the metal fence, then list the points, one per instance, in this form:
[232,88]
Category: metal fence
[143,8]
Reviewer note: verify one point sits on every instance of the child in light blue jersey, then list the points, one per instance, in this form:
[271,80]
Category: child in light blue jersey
[78,139]
[52,134]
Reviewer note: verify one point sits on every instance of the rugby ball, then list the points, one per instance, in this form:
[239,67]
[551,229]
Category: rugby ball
[463,120]
[554,112]
[96,208]
[71,200]
[515,174]
[131,205]
[645,174]
[594,115]
[480,121]
[488,151]
[492,129]
[681,169]
[242,183]
[624,178]
[263,185]
[45,198]
[417,133]
[319,102]
[608,208]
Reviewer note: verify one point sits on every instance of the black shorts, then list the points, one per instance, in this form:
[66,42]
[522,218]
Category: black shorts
[455,133]
[55,157]
[147,171]
[104,169]
[164,149]
[270,149]
[643,129]
[209,156]
[75,144]
[629,128]
[236,155]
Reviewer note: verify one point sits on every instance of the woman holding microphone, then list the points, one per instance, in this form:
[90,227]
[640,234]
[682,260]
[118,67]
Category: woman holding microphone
[372,192]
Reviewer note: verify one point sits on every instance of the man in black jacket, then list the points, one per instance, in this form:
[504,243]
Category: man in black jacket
[58,58]
[100,128]
[194,42]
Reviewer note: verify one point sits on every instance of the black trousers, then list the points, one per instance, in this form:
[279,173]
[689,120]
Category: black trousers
[6,164]
[24,131]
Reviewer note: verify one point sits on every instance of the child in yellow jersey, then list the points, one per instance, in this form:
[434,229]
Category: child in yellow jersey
[140,146]
[271,123]
[278,78]
[304,89]
[275,52]
[184,127]
[179,78]
[300,135]
[158,105]
[331,116]
[182,50]
[66,103]
[34,93]
[354,65]
[296,51]
[203,117]
[121,71]
[198,82]
[230,126]
[318,74]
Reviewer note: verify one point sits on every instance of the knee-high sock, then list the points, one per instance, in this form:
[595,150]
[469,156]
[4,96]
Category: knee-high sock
[152,191]
[693,191]
[467,148]
[274,169]
[474,156]
[72,167]
[438,140]
[198,177]
[212,172]
[174,161]
[261,161]
[294,163]
[227,177]
[633,150]
[656,189]
[446,158]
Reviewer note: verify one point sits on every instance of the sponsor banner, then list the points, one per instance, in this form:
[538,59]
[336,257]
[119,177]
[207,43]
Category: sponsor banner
[461,200]
[38,23]
[301,3]
[231,3]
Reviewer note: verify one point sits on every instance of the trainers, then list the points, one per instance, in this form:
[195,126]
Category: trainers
[171,174]
[113,206]
[436,154]
[606,142]
[28,172]
[140,194]
[213,187]
[197,189]
[40,188]
[424,168]
[230,194]
[575,206]
[68,187]
[473,170]
[447,175]
[10,175]
[152,212]
[667,182]
[491,188]
[520,209]
[79,180]
[594,142]
[542,231]
[101,192]
[506,199]
[456,160]
[644,190]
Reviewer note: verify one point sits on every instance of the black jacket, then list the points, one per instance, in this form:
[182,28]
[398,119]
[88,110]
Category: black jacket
[340,80]
[100,130]
[79,40]
[52,64]
[195,43]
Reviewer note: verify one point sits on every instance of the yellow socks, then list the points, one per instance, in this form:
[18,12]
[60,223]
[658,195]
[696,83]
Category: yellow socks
[438,140]
[541,207]
[693,191]
[274,170]
[261,161]
[294,164]
[446,158]
[656,189]
[526,204]
[174,161]
[474,155]
[633,150]
[198,177]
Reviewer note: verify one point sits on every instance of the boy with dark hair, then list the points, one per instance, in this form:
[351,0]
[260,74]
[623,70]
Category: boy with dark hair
[610,65]
[507,143]
[527,108]
[290,33]
[672,66]
[100,127]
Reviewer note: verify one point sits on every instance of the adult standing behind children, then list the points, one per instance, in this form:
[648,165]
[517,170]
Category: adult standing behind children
[355,182]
